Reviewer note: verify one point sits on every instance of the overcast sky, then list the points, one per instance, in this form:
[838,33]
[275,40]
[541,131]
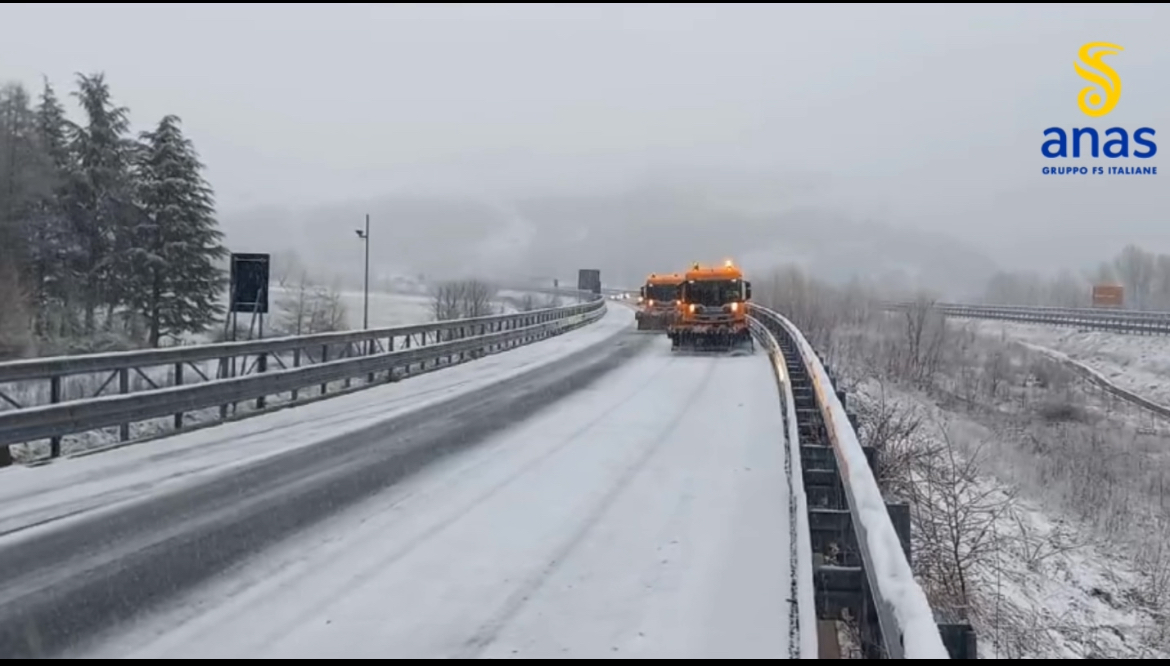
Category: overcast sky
[923,115]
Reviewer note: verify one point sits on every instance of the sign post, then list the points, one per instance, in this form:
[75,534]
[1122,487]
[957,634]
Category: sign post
[249,294]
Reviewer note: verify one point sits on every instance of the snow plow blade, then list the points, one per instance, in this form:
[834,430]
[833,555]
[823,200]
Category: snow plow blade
[733,343]
[652,322]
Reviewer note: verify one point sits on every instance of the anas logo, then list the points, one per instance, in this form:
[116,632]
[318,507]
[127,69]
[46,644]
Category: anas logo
[1098,99]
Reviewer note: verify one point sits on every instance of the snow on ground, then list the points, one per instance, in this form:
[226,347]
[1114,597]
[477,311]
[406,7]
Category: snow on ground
[1137,363]
[386,309]
[69,486]
[643,517]
[1047,587]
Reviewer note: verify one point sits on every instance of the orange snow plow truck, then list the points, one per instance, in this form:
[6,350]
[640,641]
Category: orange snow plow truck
[657,301]
[711,312]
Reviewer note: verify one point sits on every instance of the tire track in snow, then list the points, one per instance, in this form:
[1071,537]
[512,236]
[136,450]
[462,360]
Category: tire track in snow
[489,631]
[455,516]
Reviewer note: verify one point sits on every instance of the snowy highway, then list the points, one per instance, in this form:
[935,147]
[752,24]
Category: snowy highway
[614,501]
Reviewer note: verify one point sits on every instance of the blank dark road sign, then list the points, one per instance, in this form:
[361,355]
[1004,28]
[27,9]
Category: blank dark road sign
[250,283]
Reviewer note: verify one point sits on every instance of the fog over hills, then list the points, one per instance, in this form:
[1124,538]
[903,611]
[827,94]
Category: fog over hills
[660,224]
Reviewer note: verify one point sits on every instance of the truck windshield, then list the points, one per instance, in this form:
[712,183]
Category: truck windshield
[713,292]
[661,293]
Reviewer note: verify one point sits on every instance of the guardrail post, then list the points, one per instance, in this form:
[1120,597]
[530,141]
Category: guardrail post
[324,359]
[900,517]
[370,352]
[296,364]
[124,388]
[348,353]
[221,373]
[178,382]
[957,636]
[261,366]
[54,398]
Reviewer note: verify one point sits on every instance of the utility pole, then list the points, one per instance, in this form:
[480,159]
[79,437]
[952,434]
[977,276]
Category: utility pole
[365,236]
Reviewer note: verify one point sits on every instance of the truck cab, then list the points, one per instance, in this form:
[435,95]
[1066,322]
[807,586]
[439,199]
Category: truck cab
[657,300]
[712,309]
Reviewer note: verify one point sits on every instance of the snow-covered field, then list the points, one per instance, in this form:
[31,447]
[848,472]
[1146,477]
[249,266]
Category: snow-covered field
[1136,363]
[1046,584]
[387,310]
[642,518]
[1050,495]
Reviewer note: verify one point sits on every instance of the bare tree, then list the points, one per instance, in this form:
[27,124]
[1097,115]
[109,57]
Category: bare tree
[462,299]
[310,308]
[446,299]
[956,515]
[1136,269]
[1161,287]
[479,299]
[926,334]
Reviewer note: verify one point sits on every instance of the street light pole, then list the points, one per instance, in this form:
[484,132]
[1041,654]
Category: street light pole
[366,288]
[365,236]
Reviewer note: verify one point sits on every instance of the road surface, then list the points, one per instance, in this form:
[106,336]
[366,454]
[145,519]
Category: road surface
[643,517]
[615,503]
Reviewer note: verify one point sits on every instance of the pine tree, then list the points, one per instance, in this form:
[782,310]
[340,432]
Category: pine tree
[19,169]
[176,239]
[52,249]
[21,181]
[103,207]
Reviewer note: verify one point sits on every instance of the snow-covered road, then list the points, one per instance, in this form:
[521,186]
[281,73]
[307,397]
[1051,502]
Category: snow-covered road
[642,516]
[72,488]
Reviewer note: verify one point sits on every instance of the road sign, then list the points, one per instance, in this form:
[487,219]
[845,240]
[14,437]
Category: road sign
[249,283]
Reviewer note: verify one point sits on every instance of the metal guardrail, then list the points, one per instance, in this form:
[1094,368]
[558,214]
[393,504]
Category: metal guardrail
[1122,321]
[802,619]
[906,621]
[378,355]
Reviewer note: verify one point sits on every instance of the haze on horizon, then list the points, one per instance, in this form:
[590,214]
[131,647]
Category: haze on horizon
[505,122]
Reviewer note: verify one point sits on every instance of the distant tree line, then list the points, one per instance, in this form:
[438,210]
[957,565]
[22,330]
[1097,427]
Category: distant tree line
[104,235]
[1144,275]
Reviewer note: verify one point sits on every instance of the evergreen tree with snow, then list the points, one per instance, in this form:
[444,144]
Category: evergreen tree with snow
[20,177]
[52,249]
[176,240]
[102,209]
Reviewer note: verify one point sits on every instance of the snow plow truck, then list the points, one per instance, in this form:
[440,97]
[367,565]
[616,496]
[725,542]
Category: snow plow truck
[711,311]
[658,301]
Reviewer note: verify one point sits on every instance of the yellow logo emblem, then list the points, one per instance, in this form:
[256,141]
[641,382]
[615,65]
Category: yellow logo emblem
[1106,81]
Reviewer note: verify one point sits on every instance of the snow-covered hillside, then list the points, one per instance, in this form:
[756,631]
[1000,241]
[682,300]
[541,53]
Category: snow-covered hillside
[1136,363]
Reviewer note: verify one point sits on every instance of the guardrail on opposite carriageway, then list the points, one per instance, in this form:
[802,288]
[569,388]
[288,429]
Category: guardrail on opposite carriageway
[1104,319]
[377,355]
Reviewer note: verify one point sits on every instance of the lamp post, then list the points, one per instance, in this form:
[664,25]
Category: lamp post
[365,236]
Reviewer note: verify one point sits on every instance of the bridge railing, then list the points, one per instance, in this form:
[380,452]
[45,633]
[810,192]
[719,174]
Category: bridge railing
[906,621]
[802,622]
[1105,319]
[49,398]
